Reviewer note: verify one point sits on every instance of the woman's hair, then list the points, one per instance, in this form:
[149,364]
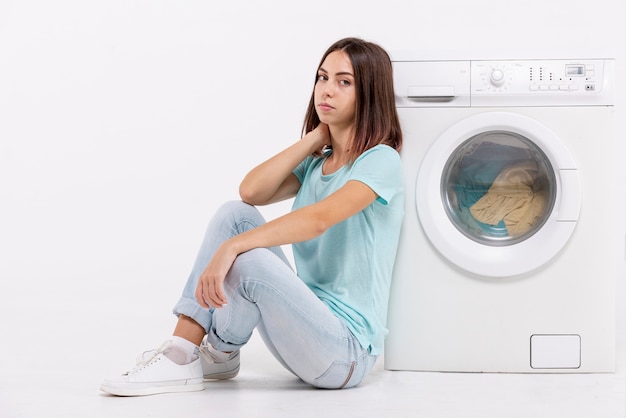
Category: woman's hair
[376,120]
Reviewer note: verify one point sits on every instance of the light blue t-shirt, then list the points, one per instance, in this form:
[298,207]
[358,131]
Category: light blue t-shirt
[349,266]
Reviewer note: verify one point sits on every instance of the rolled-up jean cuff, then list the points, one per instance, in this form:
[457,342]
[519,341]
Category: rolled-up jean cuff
[191,308]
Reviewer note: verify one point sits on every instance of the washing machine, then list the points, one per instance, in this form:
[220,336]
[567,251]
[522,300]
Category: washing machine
[505,262]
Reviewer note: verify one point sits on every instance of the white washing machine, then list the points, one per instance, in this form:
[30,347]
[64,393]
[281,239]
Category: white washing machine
[505,261]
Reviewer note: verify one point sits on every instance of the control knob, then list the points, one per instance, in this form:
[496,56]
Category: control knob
[497,77]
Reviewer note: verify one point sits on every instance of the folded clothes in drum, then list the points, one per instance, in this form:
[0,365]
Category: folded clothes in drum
[470,179]
[477,171]
[513,199]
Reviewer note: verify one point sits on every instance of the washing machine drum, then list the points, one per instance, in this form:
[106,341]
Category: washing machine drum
[494,206]
[498,188]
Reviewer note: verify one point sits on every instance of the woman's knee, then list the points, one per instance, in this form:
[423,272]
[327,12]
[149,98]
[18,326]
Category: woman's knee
[233,206]
[239,214]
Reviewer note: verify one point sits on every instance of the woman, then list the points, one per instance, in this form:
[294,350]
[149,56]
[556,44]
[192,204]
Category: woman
[326,324]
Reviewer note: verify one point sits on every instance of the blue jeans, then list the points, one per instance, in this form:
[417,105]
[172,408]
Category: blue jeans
[263,292]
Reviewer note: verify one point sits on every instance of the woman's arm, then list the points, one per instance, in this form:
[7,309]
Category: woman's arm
[273,180]
[300,225]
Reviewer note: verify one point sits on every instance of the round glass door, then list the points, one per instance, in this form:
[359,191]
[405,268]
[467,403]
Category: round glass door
[498,188]
[498,194]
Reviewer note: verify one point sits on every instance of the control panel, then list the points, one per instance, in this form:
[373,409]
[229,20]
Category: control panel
[520,77]
[504,83]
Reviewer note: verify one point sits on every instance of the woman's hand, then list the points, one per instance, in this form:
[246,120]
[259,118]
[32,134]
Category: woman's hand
[320,136]
[210,289]
[273,180]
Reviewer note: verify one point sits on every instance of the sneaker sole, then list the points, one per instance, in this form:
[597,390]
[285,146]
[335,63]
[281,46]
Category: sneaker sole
[151,390]
[222,376]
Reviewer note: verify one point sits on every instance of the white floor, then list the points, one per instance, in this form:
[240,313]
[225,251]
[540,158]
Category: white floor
[52,362]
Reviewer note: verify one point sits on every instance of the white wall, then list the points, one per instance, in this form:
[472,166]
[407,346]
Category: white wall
[124,123]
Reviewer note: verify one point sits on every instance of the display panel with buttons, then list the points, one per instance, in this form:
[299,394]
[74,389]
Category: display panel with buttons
[519,77]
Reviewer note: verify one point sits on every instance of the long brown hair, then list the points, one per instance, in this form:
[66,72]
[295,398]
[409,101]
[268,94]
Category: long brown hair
[376,119]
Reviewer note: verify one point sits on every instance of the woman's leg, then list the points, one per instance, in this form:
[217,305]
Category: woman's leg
[171,368]
[231,219]
[262,290]
[299,329]
[189,329]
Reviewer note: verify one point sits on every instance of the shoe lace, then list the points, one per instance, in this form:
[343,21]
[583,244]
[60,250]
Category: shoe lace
[147,356]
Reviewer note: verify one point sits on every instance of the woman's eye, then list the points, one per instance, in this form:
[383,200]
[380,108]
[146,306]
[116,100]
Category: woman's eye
[322,77]
[344,82]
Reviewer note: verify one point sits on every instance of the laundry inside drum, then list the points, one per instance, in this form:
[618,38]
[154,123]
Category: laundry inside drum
[498,188]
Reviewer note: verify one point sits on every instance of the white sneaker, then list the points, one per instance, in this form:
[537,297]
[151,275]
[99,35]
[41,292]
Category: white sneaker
[155,373]
[218,365]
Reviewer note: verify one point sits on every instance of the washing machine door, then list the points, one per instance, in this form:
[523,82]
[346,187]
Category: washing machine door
[498,194]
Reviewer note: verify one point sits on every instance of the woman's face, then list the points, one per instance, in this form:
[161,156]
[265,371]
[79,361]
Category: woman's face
[335,94]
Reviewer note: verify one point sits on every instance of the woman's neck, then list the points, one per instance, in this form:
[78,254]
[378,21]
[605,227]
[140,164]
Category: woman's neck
[339,140]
